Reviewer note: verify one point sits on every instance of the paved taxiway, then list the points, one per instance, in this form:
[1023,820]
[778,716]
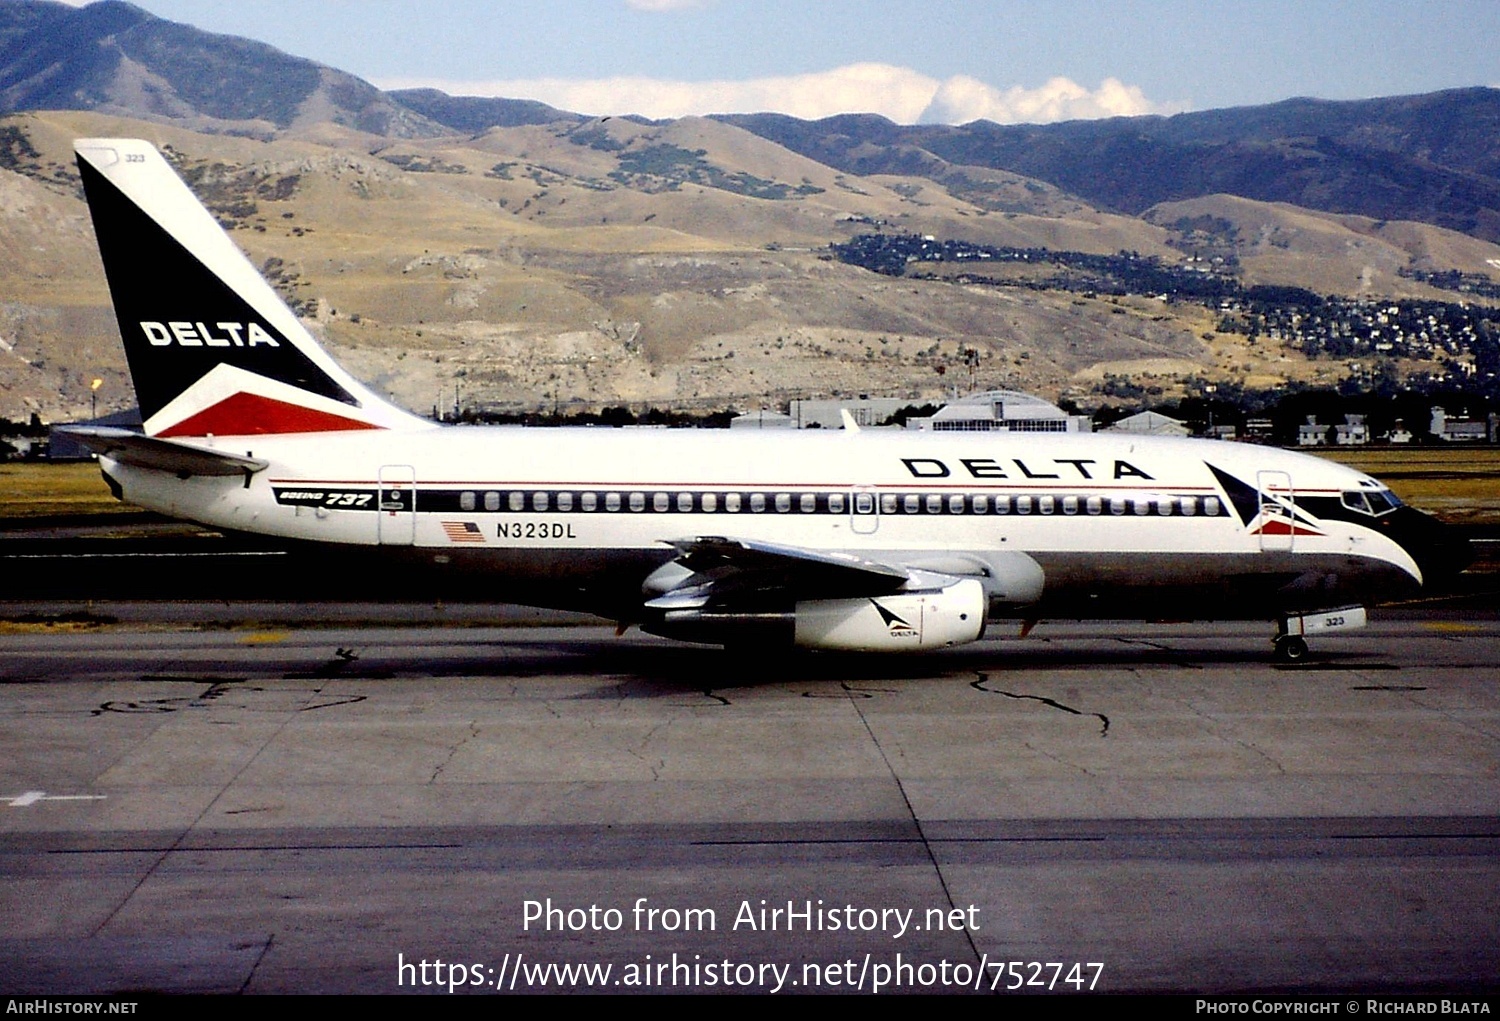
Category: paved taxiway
[290,809]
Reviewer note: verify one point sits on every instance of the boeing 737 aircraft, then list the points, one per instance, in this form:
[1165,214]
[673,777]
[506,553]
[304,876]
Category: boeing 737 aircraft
[871,541]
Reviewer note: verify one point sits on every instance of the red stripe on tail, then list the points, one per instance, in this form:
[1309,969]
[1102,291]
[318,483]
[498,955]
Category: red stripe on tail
[247,414]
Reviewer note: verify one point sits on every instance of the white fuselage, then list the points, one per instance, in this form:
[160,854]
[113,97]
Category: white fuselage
[549,512]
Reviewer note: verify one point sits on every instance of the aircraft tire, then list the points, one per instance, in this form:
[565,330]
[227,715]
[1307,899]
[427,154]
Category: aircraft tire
[1290,648]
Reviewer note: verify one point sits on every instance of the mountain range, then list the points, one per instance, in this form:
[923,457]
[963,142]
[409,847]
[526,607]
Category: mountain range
[530,256]
[1431,158]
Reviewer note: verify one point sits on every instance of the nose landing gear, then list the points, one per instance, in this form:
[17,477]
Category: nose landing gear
[1290,643]
[1290,648]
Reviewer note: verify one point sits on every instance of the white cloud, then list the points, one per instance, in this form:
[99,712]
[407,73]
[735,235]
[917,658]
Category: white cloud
[900,93]
[664,5]
[961,99]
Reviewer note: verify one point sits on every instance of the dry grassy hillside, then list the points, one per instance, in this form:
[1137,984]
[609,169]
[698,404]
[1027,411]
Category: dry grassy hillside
[1327,253]
[679,264]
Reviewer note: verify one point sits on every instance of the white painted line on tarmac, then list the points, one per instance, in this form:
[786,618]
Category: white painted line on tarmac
[32,797]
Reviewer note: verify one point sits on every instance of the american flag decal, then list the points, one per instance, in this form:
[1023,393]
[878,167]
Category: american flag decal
[463,531]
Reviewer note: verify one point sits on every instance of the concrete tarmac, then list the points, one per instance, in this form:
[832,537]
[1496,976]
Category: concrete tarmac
[1116,807]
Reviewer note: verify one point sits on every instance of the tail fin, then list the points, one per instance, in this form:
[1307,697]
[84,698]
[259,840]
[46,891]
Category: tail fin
[211,347]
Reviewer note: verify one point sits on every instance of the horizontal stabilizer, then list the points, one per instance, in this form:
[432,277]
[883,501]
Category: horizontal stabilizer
[143,451]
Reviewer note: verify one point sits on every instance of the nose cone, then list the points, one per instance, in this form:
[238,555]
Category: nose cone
[1440,550]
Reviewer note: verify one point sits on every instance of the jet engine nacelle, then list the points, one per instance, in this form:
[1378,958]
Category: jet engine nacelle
[936,616]
[952,615]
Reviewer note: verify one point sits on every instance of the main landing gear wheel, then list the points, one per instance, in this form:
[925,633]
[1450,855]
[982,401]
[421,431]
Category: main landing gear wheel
[1290,648]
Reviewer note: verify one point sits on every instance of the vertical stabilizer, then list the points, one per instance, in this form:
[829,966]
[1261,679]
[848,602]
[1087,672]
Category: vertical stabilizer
[212,348]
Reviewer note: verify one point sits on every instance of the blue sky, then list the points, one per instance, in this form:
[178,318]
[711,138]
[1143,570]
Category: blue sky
[934,60]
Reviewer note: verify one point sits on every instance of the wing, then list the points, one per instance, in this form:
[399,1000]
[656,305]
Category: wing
[182,459]
[719,573]
[757,594]
[731,566]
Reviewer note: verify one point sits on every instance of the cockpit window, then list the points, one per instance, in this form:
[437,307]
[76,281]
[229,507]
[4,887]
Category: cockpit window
[1374,502]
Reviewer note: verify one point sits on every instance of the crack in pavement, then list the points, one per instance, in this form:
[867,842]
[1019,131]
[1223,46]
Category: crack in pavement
[472,734]
[979,685]
[639,751]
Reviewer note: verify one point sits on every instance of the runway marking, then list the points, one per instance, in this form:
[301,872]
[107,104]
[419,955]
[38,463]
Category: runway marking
[1451,627]
[264,637]
[32,797]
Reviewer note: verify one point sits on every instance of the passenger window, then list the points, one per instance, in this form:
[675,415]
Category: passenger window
[1141,506]
[732,503]
[1164,506]
[517,500]
[981,504]
[539,501]
[1189,507]
[589,501]
[1002,505]
[1044,504]
[710,502]
[1023,505]
[1211,506]
[809,503]
[757,503]
[659,502]
[491,501]
[910,504]
[466,501]
[1094,504]
[1117,505]
[1070,505]
[685,502]
[637,501]
[836,503]
[955,505]
[611,501]
[887,503]
[564,501]
[783,502]
[934,503]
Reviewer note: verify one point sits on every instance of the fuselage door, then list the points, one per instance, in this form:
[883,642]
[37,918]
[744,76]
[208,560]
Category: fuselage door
[1277,518]
[398,505]
[864,510]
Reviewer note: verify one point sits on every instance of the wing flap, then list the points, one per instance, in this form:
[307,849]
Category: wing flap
[143,451]
[723,568]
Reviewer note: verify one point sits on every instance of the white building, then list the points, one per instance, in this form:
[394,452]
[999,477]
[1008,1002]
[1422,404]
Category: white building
[1311,433]
[1001,411]
[1151,423]
[867,411]
[1461,430]
[762,419]
[1353,433]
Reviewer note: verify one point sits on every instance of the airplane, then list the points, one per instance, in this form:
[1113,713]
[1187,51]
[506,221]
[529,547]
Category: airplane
[856,540]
